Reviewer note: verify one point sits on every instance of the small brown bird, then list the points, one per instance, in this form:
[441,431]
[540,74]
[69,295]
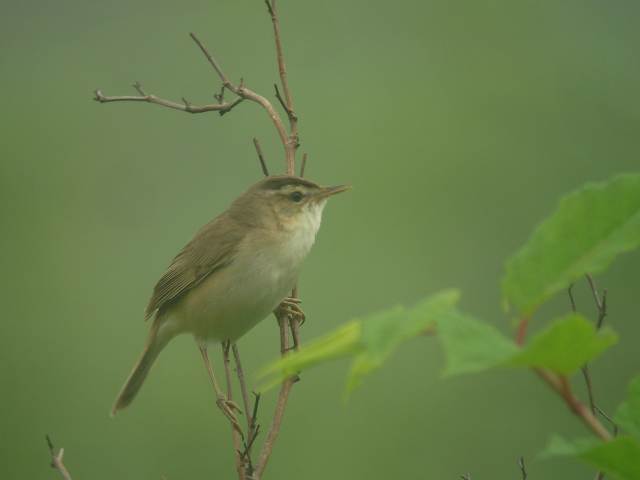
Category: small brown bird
[234,272]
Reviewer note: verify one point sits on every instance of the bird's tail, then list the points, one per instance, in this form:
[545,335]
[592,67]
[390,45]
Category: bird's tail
[158,339]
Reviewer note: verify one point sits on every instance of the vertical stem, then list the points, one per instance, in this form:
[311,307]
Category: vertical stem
[522,331]
[292,142]
[237,443]
[243,387]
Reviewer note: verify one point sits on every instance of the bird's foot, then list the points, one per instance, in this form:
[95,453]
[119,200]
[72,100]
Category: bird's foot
[291,306]
[228,408]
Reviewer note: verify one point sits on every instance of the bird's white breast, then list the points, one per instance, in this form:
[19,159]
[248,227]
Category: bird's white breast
[230,302]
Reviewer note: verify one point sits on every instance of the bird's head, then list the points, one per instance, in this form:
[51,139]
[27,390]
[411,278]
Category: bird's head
[289,201]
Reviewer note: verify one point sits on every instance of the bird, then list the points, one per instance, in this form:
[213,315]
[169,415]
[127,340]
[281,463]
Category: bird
[236,270]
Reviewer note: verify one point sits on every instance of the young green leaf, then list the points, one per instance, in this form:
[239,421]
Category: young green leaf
[342,342]
[370,340]
[628,414]
[588,229]
[620,457]
[471,345]
[382,334]
[565,346]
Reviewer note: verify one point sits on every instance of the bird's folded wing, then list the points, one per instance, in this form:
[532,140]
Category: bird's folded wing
[211,249]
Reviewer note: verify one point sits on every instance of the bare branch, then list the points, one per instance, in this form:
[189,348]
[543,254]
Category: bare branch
[263,164]
[281,403]
[293,141]
[212,61]
[561,386]
[222,108]
[248,94]
[272,436]
[57,460]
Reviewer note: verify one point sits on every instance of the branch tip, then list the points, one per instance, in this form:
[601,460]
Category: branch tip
[263,164]
[303,165]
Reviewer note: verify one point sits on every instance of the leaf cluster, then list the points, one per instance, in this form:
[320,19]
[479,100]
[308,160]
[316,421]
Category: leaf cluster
[588,230]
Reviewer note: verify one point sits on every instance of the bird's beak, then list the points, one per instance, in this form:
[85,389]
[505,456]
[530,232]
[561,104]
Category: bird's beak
[329,191]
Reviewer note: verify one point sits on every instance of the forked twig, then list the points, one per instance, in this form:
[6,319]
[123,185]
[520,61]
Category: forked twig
[185,106]
[242,91]
[57,460]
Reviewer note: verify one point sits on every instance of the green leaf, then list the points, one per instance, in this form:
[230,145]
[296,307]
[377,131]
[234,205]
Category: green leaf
[383,333]
[561,447]
[369,340]
[342,342]
[471,345]
[628,414]
[620,457]
[565,346]
[588,229]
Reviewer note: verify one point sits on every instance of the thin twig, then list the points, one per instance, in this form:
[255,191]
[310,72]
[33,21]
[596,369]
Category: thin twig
[221,108]
[280,99]
[571,299]
[523,468]
[281,404]
[243,386]
[57,460]
[235,432]
[293,140]
[608,418]
[253,431]
[254,414]
[303,165]
[242,91]
[263,164]
[585,369]
[601,304]
[561,386]
[589,384]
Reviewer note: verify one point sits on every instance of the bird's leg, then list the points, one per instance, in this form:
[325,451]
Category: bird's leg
[225,405]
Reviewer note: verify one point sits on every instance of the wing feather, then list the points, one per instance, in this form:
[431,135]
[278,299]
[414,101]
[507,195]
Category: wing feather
[212,248]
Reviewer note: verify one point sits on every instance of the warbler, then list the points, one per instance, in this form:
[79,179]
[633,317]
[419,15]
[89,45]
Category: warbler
[234,272]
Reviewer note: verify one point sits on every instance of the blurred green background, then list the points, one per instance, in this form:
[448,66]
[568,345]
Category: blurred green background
[458,123]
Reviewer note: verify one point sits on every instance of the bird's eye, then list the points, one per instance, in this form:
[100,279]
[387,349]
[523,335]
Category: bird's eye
[296,196]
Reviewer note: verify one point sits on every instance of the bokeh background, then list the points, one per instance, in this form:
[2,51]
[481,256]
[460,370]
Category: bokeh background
[459,125]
